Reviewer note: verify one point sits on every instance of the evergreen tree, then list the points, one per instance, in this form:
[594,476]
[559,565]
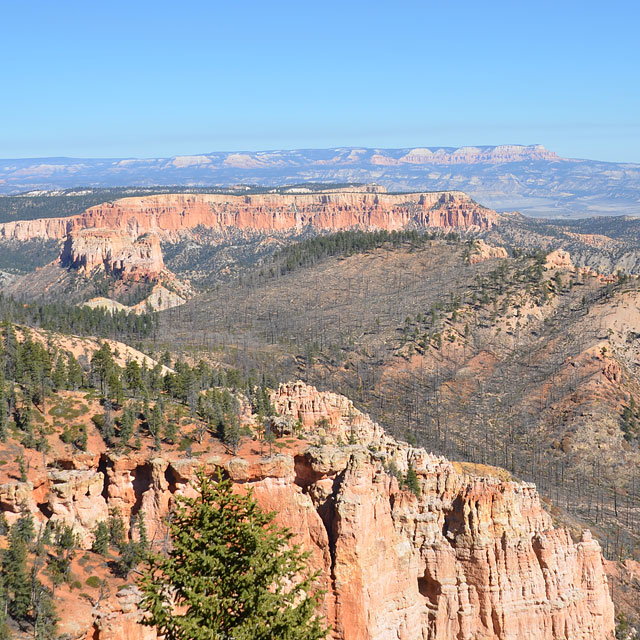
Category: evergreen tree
[5,632]
[156,424]
[25,422]
[60,377]
[45,618]
[24,527]
[231,435]
[22,467]
[230,574]
[411,481]
[171,431]
[64,548]
[75,375]
[16,580]
[127,420]
[101,537]
[141,526]
[11,352]
[116,528]
[3,407]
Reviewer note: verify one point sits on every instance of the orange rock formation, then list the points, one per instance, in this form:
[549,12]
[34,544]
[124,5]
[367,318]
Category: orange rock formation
[115,251]
[469,558]
[172,215]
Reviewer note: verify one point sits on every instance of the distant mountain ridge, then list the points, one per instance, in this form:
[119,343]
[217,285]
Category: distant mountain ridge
[531,178]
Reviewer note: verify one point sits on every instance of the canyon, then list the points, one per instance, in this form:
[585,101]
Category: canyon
[123,239]
[470,556]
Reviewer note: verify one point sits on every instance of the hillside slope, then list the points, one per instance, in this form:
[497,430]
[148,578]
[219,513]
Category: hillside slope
[462,555]
[525,363]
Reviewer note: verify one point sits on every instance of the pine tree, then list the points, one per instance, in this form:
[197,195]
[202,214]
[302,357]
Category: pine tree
[5,632]
[64,546]
[127,421]
[411,481]
[156,424]
[75,375]
[171,431]
[3,407]
[133,377]
[226,573]
[45,618]
[60,375]
[16,580]
[22,467]
[101,537]
[11,352]
[24,527]
[116,528]
[105,423]
[231,432]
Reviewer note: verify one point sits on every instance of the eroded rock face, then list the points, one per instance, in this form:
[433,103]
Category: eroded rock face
[483,251]
[469,557]
[559,259]
[115,251]
[173,215]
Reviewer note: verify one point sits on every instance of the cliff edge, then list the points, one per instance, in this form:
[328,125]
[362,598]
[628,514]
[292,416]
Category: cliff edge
[466,557]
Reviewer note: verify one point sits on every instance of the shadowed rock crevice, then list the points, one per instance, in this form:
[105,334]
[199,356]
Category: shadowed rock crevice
[454,523]
[172,478]
[45,509]
[142,479]
[429,589]
[104,465]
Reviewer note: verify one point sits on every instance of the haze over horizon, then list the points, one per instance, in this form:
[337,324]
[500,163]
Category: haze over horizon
[283,150]
[157,80]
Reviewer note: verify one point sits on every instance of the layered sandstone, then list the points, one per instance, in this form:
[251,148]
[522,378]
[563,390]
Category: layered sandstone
[113,250]
[171,216]
[471,558]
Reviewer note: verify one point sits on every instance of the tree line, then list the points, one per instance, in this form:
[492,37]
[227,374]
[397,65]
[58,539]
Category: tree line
[78,320]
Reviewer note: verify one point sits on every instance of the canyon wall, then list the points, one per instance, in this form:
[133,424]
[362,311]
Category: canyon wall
[117,252]
[470,558]
[173,215]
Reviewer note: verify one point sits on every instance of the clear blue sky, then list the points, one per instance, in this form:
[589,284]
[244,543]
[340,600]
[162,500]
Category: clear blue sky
[138,78]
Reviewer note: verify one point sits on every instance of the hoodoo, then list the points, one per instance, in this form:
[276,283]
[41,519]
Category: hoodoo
[460,557]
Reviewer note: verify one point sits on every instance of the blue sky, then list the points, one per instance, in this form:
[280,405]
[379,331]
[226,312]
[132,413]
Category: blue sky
[138,78]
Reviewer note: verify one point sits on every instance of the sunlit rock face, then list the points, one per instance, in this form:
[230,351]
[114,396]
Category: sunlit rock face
[469,557]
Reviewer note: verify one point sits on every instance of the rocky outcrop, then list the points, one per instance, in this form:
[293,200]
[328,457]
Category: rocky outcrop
[559,259]
[115,251]
[483,251]
[469,557]
[173,215]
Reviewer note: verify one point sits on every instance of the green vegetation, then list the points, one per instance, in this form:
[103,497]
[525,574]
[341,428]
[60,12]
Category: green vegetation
[230,573]
[27,255]
[511,284]
[346,243]
[630,419]
[71,319]
[24,599]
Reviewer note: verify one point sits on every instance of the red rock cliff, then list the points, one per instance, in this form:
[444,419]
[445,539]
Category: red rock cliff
[469,558]
[175,214]
[115,251]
